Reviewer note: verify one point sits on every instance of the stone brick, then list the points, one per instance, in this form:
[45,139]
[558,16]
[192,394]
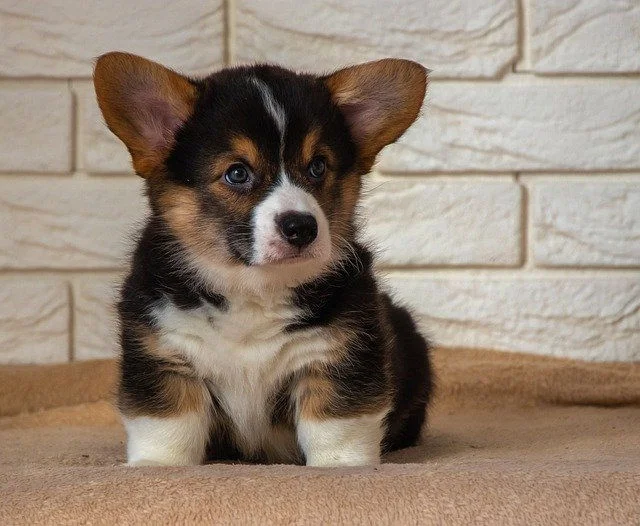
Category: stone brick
[34,321]
[459,38]
[585,36]
[67,223]
[96,330]
[519,127]
[444,223]
[61,38]
[577,317]
[584,223]
[35,128]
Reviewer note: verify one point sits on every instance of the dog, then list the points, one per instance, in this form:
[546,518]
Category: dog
[252,326]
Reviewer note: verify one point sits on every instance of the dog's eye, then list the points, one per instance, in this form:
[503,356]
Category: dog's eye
[317,168]
[237,174]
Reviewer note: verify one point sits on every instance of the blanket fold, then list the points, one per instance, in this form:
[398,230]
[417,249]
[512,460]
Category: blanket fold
[512,439]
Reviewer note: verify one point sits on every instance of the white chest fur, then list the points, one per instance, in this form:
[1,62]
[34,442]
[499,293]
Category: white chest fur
[245,353]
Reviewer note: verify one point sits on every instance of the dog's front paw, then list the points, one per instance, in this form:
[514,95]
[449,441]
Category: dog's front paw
[337,442]
[343,459]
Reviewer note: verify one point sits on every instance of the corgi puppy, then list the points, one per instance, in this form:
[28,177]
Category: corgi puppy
[252,326]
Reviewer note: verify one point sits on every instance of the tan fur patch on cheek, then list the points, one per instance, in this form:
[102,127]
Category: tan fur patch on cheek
[340,213]
[236,203]
[350,193]
[181,209]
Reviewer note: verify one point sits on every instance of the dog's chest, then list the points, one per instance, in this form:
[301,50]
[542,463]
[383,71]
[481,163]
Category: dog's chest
[245,353]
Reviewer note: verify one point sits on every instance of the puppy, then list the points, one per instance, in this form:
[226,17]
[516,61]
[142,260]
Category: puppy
[252,326]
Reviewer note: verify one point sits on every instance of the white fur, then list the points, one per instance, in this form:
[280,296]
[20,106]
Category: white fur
[269,246]
[272,106]
[342,441]
[230,278]
[245,354]
[176,441]
[272,270]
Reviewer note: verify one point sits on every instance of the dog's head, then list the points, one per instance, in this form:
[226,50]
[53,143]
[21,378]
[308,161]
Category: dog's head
[256,171]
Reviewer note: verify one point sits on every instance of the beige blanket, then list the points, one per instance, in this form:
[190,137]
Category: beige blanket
[512,439]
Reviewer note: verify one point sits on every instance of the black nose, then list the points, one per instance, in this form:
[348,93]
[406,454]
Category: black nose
[297,228]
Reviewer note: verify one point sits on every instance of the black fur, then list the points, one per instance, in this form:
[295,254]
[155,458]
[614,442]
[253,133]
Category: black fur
[230,100]
[349,294]
[389,359]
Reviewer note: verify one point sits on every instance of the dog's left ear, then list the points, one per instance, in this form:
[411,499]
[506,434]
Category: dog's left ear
[379,101]
[144,104]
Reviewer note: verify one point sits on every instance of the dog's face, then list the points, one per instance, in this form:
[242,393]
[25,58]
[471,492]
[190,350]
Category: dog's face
[257,170]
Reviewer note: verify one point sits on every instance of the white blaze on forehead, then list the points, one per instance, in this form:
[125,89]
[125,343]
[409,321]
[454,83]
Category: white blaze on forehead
[288,197]
[272,106]
[269,247]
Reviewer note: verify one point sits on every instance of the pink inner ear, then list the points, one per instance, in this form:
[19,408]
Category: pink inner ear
[362,117]
[156,120]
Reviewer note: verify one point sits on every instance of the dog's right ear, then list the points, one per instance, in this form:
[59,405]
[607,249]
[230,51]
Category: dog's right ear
[144,104]
[379,101]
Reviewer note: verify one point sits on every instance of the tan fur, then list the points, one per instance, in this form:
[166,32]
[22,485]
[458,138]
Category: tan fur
[243,150]
[309,145]
[151,344]
[180,207]
[315,396]
[396,86]
[180,391]
[318,400]
[342,215]
[241,204]
[247,150]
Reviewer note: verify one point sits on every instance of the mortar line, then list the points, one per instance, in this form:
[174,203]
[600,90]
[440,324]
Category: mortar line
[528,172]
[515,78]
[488,273]
[60,272]
[525,225]
[523,63]
[230,33]
[73,127]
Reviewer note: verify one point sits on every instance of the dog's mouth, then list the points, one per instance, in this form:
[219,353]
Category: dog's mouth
[288,259]
[292,260]
[283,254]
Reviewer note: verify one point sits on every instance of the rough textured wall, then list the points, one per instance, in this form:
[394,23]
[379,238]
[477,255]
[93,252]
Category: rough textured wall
[508,217]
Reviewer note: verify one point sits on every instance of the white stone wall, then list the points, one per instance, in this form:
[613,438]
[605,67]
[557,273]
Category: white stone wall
[508,217]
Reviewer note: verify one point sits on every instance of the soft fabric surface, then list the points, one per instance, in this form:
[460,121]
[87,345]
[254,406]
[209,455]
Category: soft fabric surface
[513,439]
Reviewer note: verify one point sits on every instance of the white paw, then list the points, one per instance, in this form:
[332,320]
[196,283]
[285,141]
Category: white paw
[336,461]
[336,442]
